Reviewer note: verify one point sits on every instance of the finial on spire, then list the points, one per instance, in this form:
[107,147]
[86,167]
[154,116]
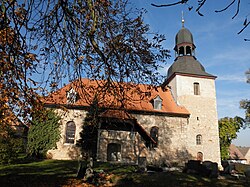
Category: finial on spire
[182,19]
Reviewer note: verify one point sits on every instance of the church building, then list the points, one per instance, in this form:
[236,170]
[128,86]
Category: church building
[172,123]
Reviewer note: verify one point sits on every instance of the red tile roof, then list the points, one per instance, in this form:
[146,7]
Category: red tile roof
[235,154]
[243,150]
[121,114]
[135,97]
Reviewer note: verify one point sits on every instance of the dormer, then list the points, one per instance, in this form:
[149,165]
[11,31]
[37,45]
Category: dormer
[157,103]
[71,96]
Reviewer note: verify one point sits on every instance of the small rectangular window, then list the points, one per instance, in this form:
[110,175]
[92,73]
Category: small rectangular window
[196,88]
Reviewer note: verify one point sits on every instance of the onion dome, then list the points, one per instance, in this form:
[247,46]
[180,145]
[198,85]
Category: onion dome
[186,62]
[184,36]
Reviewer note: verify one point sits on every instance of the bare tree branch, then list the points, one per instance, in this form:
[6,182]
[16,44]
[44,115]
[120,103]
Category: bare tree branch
[226,7]
[171,4]
[201,3]
[238,9]
[44,44]
[244,28]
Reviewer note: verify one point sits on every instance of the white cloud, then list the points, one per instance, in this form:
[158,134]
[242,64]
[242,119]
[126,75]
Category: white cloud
[229,107]
[214,25]
[233,54]
[228,101]
[233,93]
[234,78]
[237,56]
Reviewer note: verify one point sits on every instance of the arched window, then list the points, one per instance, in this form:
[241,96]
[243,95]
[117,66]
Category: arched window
[188,51]
[70,132]
[157,103]
[154,135]
[198,139]
[200,156]
[181,51]
[196,88]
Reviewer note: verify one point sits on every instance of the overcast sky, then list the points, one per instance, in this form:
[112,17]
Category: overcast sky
[219,48]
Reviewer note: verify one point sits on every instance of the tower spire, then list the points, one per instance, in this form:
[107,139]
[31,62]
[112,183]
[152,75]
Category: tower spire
[182,18]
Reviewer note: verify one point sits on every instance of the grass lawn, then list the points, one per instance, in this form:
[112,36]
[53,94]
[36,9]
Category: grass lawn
[40,173]
[63,173]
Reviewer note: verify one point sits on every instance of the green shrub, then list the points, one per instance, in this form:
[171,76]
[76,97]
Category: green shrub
[10,146]
[43,133]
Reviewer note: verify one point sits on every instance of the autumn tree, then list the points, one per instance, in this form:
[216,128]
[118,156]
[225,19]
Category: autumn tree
[17,97]
[228,128]
[47,43]
[16,68]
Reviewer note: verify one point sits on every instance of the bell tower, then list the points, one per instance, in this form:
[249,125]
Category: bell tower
[184,42]
[194,88]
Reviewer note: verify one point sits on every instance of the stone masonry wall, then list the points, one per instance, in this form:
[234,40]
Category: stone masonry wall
[65,151]
[203,119]
[172,139]
[131,145]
